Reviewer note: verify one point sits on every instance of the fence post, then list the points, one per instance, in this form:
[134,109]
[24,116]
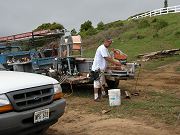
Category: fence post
[160,11]
[175,9]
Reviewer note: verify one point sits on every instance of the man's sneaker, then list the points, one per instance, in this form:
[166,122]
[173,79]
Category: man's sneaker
[105,96]
[97,99]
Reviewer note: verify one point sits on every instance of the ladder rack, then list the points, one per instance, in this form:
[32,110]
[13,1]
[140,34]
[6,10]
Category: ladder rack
[32,35]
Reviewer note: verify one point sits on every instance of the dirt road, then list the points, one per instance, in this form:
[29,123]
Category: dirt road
[77,121]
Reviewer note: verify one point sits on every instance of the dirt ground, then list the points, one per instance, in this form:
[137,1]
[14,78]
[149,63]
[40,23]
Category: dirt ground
[79,122]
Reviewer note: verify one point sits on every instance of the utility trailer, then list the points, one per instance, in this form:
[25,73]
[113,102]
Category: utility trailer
[68,65]
[74,69]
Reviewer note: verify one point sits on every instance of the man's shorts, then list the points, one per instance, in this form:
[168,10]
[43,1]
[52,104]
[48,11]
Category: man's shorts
[100,82]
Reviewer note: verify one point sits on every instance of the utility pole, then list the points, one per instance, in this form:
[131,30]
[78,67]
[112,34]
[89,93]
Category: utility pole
[165,3]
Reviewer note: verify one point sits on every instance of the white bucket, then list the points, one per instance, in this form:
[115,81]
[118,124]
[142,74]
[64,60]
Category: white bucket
[114,97]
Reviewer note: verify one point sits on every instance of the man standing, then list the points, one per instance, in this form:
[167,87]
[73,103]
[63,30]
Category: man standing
[101,58]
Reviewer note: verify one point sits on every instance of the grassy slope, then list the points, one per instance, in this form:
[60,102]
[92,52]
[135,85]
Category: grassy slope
[128,42]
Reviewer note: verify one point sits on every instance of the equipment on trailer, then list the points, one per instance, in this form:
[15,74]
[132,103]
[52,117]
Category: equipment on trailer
[65,66]
[70,46]
[64,60]
[119,55]
[29,61]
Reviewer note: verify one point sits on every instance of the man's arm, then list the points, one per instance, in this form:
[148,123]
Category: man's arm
[109,59]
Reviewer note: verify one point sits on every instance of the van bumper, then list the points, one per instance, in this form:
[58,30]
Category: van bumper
[23,122]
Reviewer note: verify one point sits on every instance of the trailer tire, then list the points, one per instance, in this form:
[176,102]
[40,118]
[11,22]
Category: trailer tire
[112,84]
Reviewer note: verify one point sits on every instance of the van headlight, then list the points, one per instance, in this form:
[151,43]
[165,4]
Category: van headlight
[57,92]
[5,104]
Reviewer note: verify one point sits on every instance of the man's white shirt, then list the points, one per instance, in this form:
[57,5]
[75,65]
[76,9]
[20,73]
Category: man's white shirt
[99,59]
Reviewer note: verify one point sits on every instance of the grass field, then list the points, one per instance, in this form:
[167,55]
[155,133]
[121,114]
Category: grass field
[137,38]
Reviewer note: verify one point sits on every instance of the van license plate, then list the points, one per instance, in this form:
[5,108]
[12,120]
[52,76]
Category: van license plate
[41,115]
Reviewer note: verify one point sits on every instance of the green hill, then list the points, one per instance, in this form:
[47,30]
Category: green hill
[135,37]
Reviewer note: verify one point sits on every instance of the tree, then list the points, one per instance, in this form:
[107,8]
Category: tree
[165,3]
[56,26]
[91,31]
[46,26]
[73,32]
[100,26]
[86,26]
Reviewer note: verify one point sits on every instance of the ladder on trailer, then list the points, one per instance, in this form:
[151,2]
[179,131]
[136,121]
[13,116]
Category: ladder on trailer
[31,35]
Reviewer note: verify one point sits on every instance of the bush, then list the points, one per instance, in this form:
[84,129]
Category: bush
[156,35]
[140,36]
[134,35]
[177,33]
[108,26]
[91,31]
[114,25]
[83,34]
[100,26]
[87,33]
[154,20]
[160,24]
[118,24]
[86,26]
[143,24]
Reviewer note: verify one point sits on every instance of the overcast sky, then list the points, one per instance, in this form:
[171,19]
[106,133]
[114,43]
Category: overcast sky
[18,16]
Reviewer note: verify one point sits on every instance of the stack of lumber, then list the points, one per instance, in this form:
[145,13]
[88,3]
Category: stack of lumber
[158,54]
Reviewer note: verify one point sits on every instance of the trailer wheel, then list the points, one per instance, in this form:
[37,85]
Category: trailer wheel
[112,84]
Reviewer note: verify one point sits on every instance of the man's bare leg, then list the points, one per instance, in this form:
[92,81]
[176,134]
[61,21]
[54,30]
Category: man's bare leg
[96,93]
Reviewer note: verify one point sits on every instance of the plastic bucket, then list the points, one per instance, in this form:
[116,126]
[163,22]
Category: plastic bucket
[114,97]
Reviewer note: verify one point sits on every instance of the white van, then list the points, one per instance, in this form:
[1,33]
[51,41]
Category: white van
[29,103]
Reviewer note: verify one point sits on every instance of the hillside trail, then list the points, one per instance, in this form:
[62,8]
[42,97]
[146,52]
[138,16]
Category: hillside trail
[164,78]
[79,122]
